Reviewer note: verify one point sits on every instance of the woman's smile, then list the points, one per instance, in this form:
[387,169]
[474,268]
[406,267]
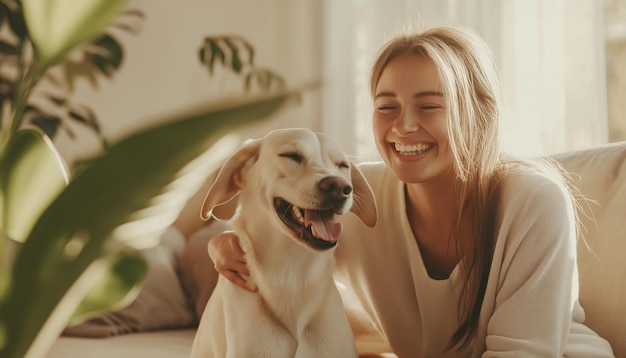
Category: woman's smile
[410,153]
[412,150]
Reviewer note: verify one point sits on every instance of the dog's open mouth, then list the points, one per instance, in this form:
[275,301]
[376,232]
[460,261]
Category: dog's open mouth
[316,228]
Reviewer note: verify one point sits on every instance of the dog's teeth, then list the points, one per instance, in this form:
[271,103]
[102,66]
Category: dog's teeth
[315,233]
[297,215]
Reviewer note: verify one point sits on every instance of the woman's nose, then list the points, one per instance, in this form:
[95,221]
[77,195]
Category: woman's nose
[407,122]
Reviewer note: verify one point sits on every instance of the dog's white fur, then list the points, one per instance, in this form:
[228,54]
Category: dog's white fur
[297,311]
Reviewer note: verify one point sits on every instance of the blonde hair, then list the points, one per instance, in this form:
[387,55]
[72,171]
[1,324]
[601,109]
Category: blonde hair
[471,88]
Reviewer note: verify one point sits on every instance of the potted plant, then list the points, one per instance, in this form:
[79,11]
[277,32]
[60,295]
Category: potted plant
[78,237]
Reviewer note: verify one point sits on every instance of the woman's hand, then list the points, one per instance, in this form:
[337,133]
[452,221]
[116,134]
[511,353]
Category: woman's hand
[229,259]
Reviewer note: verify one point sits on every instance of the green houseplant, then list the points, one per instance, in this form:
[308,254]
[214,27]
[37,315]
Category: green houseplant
[49,107]
[78,237]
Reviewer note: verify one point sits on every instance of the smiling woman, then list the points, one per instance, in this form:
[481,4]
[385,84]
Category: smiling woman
[410,116]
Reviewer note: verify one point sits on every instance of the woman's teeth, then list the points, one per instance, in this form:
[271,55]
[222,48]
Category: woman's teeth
[411,149]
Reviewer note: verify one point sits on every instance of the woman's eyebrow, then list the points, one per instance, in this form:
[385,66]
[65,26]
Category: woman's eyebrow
[427,94]
[417,95]
[384,94]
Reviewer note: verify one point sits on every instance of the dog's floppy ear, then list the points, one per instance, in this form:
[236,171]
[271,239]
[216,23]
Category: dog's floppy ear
[364,205]
[228,182]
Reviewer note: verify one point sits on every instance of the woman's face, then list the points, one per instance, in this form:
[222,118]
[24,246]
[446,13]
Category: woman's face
[409,120]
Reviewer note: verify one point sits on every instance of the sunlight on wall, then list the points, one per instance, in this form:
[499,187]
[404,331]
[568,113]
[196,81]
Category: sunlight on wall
[161,73]
[615,11]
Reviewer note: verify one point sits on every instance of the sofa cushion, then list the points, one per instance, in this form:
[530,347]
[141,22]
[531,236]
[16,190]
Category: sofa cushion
[600,174]
[161,303]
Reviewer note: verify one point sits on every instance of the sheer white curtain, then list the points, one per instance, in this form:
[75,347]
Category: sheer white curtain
[550,54]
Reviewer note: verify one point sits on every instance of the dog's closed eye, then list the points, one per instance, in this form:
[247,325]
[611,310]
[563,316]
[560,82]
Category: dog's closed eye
[295,156]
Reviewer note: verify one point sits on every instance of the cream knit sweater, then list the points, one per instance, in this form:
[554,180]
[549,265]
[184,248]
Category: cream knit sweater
[530,308]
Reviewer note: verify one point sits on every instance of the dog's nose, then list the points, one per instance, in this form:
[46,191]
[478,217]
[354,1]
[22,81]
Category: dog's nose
[336,187]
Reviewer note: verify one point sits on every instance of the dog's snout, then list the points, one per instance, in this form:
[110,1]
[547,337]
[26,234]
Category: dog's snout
[336,187]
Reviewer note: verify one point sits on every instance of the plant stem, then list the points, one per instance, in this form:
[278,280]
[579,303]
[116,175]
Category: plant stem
[5,127]
[21,96]
[11,120]
[4,266]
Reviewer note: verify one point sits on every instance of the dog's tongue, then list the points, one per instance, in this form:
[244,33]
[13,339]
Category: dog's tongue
[323,224]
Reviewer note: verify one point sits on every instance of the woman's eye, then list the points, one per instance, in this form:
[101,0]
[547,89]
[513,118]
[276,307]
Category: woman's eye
[386,108]
[293,156]
[427,107]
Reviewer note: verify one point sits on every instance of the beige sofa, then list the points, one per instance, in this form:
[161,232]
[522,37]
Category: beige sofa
[600,174]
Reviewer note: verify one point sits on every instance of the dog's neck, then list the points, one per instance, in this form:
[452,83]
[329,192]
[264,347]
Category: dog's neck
[278,259]
[289,276]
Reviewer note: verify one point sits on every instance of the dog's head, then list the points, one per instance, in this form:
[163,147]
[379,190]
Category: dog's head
[301,179]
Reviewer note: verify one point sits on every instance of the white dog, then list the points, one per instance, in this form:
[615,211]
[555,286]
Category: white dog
[291,185]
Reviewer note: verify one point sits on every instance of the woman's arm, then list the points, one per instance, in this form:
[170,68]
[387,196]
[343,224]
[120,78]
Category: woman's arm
[533,281]
[229,258]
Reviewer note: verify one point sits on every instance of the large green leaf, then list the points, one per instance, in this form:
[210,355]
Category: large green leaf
[115,288]
[57,26]
[32,174]
[111,196]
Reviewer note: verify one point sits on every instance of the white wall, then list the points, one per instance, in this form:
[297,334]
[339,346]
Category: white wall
[549,53]
[162,74]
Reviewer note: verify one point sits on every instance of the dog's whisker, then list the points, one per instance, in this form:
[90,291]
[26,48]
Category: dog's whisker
[288,208]
[357,201]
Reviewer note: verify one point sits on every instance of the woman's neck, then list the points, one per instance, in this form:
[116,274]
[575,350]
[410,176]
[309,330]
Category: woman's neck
[433,203]
[431,211]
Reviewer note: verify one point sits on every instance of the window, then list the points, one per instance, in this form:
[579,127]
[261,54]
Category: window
[615,25]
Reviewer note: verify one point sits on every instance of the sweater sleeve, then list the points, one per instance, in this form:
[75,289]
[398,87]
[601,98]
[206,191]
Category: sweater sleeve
[535,266]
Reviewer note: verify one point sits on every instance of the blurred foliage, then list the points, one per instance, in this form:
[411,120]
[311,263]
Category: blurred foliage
[237,54]
[78,237]
[51,109]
